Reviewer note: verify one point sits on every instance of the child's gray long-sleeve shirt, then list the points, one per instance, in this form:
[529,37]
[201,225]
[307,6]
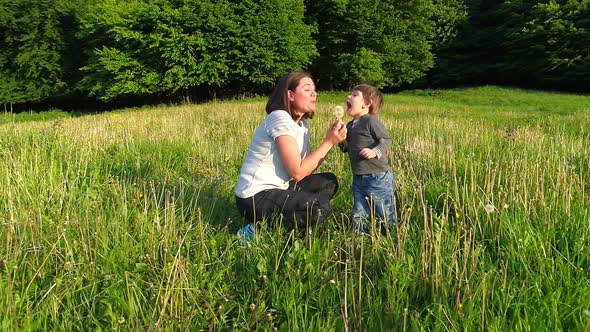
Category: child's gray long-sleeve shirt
[367,132]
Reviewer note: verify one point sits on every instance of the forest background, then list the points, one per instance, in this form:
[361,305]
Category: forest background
[86,55]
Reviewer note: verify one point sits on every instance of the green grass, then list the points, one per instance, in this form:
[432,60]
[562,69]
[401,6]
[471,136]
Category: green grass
[127,221]
[53,114]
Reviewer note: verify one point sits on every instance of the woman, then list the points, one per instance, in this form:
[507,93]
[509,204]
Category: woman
[276,180]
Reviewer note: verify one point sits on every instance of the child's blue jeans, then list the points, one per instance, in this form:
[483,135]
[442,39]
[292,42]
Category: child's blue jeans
[373,196]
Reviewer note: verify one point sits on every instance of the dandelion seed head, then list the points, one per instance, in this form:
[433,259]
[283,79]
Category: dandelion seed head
[338,112]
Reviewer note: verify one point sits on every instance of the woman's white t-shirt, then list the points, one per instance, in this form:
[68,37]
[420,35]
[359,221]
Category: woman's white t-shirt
[263,167]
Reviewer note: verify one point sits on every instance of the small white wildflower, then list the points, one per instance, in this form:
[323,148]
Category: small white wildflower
[490,208]
[332,281]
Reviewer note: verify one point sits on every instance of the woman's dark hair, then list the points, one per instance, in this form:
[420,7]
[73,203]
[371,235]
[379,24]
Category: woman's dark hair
[279,99]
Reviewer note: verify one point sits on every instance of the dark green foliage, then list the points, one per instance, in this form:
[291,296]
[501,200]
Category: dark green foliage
[447,16]
[166,47]
[31,50]
[371,41]
[272,40]
[474,55]
[364,66]
[549,42]
[326,17]
[539,44]
[398,32]
[171,50]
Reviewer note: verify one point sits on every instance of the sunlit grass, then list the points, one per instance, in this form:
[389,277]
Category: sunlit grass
[126,220]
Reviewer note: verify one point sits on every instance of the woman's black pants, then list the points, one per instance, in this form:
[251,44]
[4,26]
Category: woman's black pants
[303,204]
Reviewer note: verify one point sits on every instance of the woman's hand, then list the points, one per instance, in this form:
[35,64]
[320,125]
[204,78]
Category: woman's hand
[299,168]
[336,133]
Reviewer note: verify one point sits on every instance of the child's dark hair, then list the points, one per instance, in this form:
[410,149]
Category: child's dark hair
[371,95]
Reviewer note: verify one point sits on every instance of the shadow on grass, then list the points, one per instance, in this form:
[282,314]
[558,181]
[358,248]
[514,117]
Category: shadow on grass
[157,177]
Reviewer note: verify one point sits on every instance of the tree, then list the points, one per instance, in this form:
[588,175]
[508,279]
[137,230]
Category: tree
[32,48]
[269,38]
[473,55]
[539,44]
[177,47]
[548,45]
[326,18]
[372,41]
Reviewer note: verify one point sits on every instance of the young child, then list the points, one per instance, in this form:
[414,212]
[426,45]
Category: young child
[367,142]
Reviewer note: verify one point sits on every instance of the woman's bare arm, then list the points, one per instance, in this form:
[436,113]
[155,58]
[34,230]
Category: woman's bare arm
[299,168]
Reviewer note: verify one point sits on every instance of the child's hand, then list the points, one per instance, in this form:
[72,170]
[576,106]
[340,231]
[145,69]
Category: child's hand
[367,153]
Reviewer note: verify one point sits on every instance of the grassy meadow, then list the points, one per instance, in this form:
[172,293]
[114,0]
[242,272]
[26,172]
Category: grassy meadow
[126,221]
